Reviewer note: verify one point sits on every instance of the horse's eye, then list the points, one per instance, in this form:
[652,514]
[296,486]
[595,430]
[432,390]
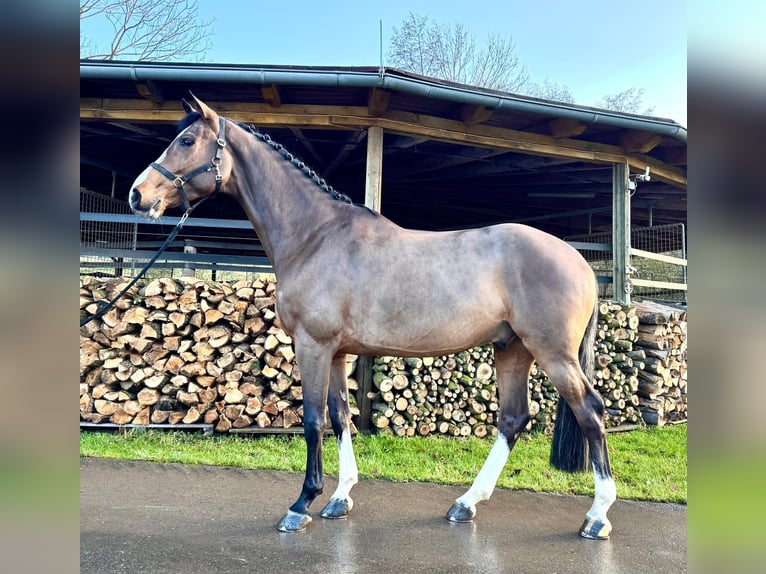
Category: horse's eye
[187,142]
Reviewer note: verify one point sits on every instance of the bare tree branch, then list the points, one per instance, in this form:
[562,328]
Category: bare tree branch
[451,53]
[158,30]
[628,101]
[550,91]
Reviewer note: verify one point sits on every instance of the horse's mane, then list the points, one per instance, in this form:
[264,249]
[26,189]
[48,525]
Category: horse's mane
[307,171]
[192,117]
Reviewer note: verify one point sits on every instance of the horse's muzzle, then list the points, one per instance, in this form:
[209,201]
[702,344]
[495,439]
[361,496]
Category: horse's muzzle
[135,200]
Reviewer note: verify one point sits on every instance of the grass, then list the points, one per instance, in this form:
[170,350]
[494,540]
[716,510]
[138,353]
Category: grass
[648,464]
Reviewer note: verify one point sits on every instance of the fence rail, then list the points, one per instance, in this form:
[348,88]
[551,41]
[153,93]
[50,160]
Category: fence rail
[115,241]
[658,260]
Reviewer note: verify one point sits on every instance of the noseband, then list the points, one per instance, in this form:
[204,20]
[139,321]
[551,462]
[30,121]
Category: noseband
[180,180]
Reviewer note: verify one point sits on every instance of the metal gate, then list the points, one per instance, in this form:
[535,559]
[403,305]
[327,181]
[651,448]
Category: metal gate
[658,261]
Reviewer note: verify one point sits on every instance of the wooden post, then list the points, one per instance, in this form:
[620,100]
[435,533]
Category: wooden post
[372,189]
[364,378]
[372,196]
[189,269]
[621,232]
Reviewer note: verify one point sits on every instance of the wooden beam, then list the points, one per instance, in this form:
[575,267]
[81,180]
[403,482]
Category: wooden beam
[270,93]
[565,128]
[438,163]
[374,178]
[377,103]
[150,90]
[472,114]
[419,125]
[636,141]
[621,232]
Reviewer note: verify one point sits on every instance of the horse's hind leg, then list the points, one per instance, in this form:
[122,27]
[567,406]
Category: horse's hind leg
[512,368]
[587,406]
[340,503]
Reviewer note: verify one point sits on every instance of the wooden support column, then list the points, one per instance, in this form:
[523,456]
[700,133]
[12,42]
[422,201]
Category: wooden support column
[372,196]
[364,378]
[621,233]
[373,184]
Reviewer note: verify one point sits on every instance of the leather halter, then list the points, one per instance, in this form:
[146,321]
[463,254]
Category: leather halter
[215,162]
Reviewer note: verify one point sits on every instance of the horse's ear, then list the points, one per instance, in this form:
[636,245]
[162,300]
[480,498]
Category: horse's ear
[188,108]
[202,108]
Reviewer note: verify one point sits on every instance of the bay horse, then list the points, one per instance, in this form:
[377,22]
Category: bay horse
[350,281]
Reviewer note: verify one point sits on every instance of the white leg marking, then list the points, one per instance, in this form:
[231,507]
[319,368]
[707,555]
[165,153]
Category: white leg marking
[348,475]
[484,483]
[605,495]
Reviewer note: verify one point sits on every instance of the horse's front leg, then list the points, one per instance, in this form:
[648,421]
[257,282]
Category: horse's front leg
[340,503]
[314,363]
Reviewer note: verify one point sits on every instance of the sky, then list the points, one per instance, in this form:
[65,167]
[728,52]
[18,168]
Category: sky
[595,47]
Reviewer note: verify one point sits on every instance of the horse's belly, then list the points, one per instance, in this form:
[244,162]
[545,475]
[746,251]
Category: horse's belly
[409,331]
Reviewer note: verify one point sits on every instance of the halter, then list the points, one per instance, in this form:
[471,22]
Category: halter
[180,180]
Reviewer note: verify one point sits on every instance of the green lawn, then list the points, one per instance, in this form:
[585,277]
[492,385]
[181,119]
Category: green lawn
[648,464]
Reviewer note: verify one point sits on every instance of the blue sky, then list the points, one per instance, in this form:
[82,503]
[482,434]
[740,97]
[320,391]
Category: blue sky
[595,47]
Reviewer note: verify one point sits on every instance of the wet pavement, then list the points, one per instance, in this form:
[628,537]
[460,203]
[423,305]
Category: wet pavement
[173,518]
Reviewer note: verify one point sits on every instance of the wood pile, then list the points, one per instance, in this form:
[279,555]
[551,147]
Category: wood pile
[455,394]
[662,337]
[188,351]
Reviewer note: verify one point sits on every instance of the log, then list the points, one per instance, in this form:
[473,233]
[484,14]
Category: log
[290,418]
[484,371]
[379,421]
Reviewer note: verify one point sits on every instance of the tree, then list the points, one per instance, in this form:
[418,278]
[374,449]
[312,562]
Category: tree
[157,30]
[550,91]
[452,53]
[424,47]
[628,101]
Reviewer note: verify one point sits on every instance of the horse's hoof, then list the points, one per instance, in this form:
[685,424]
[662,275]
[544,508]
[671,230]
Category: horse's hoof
[594,529]
[337,508]
[293,522]
[460,513]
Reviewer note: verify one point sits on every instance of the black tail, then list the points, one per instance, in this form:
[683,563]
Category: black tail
[569,450]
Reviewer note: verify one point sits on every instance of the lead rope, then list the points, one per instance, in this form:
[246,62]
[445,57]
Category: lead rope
[105,307]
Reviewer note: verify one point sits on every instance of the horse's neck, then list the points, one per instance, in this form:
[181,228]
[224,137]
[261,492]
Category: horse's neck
[284,206]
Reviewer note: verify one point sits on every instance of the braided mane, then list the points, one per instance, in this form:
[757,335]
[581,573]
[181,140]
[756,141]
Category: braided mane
[307,171]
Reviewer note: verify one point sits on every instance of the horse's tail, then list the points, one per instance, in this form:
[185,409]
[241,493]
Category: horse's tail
[569,449]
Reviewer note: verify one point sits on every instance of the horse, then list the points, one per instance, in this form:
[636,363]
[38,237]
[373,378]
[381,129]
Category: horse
[350,281]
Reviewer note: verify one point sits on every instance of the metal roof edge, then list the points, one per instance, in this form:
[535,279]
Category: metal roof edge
[390,78]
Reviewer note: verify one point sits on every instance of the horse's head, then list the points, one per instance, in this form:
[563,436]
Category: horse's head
[195,165]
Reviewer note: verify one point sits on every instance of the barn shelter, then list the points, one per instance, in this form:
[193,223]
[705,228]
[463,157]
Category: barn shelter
[428,154]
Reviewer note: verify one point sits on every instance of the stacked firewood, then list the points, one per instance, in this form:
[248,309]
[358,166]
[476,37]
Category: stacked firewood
[188,351]
[455,394]
[661,337]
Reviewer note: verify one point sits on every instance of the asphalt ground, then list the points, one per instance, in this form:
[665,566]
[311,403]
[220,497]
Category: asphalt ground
[171,518]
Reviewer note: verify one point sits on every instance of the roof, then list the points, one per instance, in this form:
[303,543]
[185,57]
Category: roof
[455,156]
